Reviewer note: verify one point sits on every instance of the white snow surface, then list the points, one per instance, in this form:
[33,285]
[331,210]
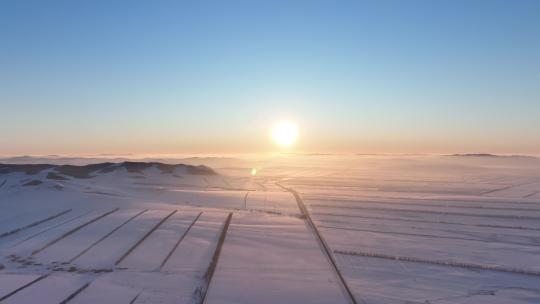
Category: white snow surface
[401,229]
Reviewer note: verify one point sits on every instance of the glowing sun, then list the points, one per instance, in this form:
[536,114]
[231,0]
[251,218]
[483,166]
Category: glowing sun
[284,133]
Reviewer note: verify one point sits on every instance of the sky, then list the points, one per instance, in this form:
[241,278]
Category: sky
[139,77]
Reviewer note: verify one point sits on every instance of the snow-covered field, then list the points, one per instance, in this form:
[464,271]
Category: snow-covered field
[305,229]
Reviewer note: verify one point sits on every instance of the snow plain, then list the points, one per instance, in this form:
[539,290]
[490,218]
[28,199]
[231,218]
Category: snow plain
[362,229]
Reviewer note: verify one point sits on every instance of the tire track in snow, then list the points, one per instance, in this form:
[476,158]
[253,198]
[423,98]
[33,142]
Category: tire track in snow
[322,242]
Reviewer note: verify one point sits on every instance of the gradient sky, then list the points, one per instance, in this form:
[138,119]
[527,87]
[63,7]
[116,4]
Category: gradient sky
[84,77]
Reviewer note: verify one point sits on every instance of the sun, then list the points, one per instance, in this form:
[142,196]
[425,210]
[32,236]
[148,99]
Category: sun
[284,133]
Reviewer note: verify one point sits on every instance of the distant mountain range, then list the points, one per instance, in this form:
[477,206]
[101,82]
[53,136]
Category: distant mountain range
[487,155]
[63,172]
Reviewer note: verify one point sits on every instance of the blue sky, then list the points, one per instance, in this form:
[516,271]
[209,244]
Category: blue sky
[211,76]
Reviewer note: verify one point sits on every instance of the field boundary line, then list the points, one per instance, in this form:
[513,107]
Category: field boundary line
[106,236]
[520,217]
[371,198]
[33,224]
[50,228]
[245,199]
[202,291]
[417,221]
[144,238]
[73,231]
[447,263]
[75,293]
[179,241]
[322,242]
[349,204]
[134,299]
[23,287]
[432,236]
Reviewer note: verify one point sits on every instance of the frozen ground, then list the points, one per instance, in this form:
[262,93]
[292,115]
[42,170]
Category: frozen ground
[305,229]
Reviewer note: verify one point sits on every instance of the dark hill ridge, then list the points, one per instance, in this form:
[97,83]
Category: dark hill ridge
[60,172]
[488,155]
[475,155]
